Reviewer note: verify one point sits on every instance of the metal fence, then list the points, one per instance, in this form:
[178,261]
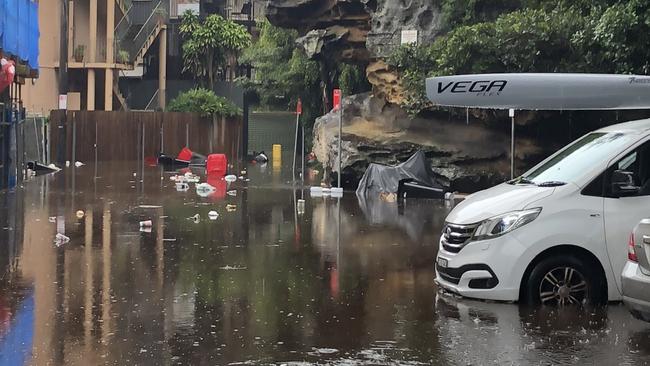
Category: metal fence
[22,139]
[384,44]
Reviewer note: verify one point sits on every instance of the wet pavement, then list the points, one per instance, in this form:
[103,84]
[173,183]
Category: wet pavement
[346,282]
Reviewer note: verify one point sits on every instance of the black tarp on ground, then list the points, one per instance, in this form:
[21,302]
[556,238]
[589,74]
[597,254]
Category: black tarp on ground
[386,179]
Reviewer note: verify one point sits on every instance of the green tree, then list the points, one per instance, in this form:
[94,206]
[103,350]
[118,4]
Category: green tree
[282,73]
[209,43]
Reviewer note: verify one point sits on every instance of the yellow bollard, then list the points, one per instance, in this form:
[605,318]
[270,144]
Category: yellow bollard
[277,155]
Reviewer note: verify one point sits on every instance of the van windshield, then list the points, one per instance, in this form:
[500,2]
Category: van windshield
[572,162]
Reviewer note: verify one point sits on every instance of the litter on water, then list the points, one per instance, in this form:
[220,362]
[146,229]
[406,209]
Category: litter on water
[60,239]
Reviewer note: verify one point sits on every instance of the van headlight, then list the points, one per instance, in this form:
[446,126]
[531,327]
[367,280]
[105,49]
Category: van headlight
[503,224]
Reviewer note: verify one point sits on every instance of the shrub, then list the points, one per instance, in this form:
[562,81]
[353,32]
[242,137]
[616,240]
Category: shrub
[205,102]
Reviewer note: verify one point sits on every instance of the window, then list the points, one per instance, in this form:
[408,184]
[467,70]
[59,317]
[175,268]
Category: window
[575,159]
[637,163]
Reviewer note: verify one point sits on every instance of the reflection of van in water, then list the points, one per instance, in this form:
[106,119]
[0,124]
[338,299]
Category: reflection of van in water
[558,233]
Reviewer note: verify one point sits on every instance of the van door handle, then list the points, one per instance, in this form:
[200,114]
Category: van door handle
[646,239]
[595,215]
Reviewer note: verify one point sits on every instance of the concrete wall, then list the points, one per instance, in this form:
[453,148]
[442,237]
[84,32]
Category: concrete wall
[81,25]
[42,96]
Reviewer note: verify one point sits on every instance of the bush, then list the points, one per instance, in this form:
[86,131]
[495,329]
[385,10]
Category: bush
[203,101]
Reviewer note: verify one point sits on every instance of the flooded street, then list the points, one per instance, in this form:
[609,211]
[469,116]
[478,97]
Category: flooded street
[346,282]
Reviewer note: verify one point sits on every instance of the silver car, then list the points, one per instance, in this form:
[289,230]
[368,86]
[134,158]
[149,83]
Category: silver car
[636,274]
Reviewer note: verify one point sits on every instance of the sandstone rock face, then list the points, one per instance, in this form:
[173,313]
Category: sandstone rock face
[334,29]
[335,40]
[465,157]
[376,129]
[385,82]
[389,17]
[357,30]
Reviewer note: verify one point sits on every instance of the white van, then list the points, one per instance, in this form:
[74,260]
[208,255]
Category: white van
[557,234]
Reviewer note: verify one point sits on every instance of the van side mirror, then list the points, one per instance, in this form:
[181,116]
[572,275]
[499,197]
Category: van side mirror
[623,184]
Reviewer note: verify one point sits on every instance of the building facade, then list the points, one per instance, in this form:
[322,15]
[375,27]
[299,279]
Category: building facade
[121,53]
[106,39]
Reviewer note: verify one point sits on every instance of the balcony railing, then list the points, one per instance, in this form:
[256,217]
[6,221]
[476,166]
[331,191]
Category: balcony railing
[138,25]
[157,16]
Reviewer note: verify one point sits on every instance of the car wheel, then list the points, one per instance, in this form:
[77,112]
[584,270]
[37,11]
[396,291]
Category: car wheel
[563,281]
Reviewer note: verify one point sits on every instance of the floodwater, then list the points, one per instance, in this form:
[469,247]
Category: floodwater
[344,283]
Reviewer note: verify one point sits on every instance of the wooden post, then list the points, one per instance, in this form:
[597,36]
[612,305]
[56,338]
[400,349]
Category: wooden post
[162,68]
[92,56]
[110,59]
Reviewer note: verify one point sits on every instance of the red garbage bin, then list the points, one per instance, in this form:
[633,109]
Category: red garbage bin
[217,164]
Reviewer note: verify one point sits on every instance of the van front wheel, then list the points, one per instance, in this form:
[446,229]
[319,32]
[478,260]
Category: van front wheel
[563,281]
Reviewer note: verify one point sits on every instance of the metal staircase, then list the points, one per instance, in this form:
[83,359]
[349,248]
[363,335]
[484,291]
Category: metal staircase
[148,39]
[123,5]
[137,31]
[118,95]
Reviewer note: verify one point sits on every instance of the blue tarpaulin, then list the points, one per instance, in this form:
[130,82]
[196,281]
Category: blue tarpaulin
[19,30]
[16,346]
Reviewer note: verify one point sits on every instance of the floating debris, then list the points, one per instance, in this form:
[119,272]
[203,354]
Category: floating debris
[233,268]
[231,208]
[182,187]
[232,193]
[204,189]
[61,239]
[213,215]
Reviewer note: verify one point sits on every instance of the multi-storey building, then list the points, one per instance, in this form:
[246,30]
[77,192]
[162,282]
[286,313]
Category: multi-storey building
[124,54]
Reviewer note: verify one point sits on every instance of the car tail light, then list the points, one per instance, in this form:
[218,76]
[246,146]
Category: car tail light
[631,253]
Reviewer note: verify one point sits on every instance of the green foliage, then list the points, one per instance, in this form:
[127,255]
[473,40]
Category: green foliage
[463,12]
[352,79]
[564,37]
[282,73]
[123,56]
[203,101]
[208,43]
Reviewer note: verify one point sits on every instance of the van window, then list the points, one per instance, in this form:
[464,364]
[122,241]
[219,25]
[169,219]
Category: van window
[637,163]
[572,162]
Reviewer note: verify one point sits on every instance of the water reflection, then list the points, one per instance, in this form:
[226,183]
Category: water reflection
[522,335]
[346,282]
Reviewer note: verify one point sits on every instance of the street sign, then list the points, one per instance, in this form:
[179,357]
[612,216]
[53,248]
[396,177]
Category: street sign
[337,99]
[409,36]
[299,107]
[63,101]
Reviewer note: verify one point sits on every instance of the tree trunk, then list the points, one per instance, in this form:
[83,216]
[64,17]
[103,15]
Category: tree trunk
[326,86]
[209,64]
